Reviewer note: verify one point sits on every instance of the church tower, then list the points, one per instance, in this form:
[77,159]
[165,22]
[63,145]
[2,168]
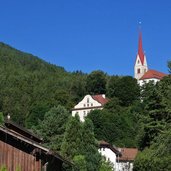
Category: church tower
[140,67]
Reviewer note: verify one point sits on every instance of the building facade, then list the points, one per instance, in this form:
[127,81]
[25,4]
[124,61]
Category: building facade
[126,161]
[110,153]
[89,102]
[121,159]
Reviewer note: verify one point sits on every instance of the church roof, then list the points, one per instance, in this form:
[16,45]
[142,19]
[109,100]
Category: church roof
[100,98]
[153,74]
[140,49]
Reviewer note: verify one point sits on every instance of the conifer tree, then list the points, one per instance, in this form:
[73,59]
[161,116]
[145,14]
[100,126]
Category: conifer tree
[72,141]
[1,118]
[52,128]
[90,147]
[80,163]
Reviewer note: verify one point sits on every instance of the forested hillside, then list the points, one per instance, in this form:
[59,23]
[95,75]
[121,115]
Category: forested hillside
[40,96]
[30,86]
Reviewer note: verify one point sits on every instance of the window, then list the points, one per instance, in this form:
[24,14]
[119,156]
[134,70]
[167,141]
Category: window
[84,113]
[87,105]
[88,100]
[84,105]
[138,70]
[91,104]
[138,61]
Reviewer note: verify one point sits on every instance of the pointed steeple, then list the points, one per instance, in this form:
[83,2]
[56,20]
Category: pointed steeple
[140,67]
[140,48]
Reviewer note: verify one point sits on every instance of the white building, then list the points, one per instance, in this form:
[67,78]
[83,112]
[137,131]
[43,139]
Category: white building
[110,153]
[89,103]
[125,161]
[151,75]
[141,71]
[121,158]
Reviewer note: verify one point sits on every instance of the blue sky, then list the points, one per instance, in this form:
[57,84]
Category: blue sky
[89,35]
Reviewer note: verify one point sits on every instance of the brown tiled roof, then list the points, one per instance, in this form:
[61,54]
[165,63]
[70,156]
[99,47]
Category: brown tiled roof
[100,99]
[128,154]
[153,74]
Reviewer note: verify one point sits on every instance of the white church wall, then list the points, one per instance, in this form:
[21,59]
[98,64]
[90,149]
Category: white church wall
[141,82]
[138,66]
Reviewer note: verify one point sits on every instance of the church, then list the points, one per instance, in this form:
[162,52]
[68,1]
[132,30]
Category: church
[141,71]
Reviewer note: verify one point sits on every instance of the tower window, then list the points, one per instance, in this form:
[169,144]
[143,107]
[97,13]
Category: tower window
[138,70]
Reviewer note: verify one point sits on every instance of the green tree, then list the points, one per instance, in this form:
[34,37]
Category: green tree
[1,118]
[80,163]
[157,156]
[37,112]
[115,124]
[96,82]
[105,166]
[156,113]
[90,146]
[124,88]
[79,143]
[53,126]
[72,142]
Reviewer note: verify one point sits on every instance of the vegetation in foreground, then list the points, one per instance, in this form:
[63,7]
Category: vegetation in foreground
[40,96]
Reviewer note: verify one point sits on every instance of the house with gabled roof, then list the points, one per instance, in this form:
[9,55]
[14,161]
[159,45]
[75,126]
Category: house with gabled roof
[89,103]
[126,159]
[110,153]
[121,158]
[141,71]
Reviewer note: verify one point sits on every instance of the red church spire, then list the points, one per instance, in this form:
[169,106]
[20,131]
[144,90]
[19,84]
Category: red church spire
[140,48]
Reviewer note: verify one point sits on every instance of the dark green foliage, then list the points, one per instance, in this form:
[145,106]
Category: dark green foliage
[1,118]
[90,146]
[157,157]
[79,141]
[114,124]
[72,142]
[80,163]
[37,112]
[78,86]
[105,166]
[157,111]
[96,83]
[52,127]
[30,86]
[125,89]
[155,132]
